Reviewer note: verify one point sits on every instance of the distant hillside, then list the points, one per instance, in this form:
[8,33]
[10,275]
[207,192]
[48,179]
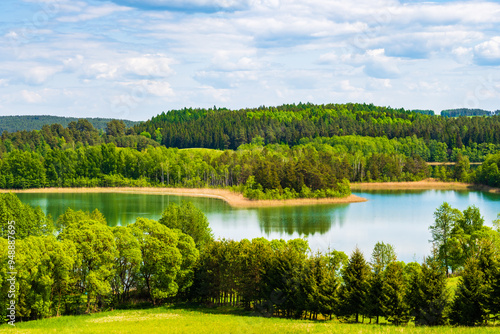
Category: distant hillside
[424,112]
[28,123]
[466,112]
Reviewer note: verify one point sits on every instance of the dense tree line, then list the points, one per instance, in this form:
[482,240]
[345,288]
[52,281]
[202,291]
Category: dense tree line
[318,168]
[465,112]
[278,278]
[36,122]
[77,134]
[223,128]
[313,168]
[90,267]
[287,124]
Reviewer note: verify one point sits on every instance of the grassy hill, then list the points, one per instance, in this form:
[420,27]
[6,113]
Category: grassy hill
[28,123]
[204,320]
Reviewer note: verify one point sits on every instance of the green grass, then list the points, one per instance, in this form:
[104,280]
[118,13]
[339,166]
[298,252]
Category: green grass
[203,320]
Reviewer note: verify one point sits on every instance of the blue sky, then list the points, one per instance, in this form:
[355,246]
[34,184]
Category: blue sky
[134,59]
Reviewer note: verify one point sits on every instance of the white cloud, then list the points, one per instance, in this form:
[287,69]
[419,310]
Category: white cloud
[40,74]
[90,13]
[148,65]
[488,53]
[157,88]
[378,65]
[248,52]
[31,96]
[102,70]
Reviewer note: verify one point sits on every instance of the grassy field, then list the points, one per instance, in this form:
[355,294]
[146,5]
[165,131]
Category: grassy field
[202,320]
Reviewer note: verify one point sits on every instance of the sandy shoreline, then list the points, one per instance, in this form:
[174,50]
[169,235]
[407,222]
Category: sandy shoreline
[428,184]
[238,201]
[232,198]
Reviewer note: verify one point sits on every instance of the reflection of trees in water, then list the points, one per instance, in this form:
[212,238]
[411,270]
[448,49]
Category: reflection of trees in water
[304,220]
[118,208]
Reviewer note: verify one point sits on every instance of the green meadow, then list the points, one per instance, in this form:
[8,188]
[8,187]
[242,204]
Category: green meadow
[205,320]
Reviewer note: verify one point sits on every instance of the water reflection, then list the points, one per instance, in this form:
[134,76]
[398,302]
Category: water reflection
[397,217]
[304,221]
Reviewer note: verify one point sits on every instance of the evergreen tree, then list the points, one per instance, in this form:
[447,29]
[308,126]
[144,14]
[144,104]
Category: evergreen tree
[468,307]
[394,304]
[382,255]
[428,309]
[354,290]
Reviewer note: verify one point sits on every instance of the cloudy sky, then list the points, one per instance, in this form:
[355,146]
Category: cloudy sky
[134,59]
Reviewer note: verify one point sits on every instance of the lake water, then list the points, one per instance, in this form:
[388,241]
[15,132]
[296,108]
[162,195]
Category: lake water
[400,218]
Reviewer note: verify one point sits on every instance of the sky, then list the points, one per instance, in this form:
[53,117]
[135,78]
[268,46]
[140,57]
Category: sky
[134,59]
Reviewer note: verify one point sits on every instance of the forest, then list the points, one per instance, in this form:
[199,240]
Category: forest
[291,151]
[29,123]
[466,112]
[76,264]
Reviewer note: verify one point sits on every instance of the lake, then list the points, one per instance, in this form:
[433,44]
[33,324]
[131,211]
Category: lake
[400,218]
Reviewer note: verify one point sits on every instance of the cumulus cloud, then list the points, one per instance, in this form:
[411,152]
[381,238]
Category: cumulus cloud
[149,65]
[378,65]
[38,75]
[31,96]
[488,53]
[231,51]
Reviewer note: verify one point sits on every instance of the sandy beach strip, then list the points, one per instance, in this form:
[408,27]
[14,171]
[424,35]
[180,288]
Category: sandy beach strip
[232,198]
[428,184]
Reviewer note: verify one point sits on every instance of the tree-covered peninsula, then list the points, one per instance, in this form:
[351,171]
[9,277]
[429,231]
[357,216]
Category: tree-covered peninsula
[290,151]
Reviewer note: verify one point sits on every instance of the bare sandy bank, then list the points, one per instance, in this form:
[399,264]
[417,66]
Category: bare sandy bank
[232,198]
[428,184]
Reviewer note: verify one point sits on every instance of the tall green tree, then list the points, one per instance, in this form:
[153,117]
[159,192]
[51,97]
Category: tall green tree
[190,220]
[469,305]
[445,217]
[127,263]
[429,292]
[353,292]
[394,305]
[94,264]
[161,259]
[382,255]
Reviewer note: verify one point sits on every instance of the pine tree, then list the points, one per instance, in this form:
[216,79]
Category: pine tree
[353,292]
[468,306]
[394,304]
[434,296]
[382,255]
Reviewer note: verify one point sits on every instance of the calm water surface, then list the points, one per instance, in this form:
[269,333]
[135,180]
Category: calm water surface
[400,218]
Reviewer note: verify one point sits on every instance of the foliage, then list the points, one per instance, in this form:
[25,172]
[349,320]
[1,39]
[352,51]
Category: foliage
[29,123]
[27,220]
[94,261]
[468,308]
[427,295]
[354,289]
[394,305]
[445,217]
[161,259]
[190,220]
[91,267]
